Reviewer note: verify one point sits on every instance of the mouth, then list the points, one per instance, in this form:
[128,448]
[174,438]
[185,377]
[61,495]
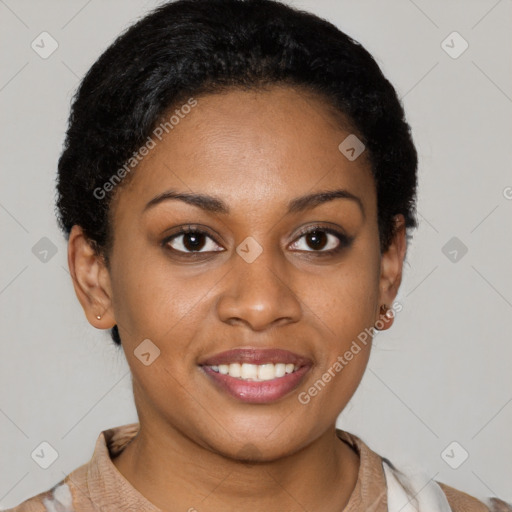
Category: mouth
[256,375]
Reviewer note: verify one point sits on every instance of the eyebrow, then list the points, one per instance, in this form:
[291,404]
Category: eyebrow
[215,205]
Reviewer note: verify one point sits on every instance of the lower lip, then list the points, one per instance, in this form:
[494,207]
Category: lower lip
[261,392]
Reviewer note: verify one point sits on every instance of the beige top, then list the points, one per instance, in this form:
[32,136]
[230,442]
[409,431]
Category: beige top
[99,486]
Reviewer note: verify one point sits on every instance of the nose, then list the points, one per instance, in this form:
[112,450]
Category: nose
[259,294]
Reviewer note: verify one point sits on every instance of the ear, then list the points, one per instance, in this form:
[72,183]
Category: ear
[91,280]
[391,271]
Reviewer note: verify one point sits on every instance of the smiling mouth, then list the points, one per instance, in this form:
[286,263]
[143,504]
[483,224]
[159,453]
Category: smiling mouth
[256,375]
[255,372]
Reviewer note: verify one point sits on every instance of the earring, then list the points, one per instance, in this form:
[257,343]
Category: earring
[384,323]
[98,317]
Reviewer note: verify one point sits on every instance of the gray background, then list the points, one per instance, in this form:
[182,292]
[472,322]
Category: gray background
[440,374]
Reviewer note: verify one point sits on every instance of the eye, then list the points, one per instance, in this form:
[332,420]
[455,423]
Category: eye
[191,240]
[321,239]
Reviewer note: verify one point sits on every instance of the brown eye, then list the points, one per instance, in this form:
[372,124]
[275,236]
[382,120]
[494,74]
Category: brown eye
[322,240]
[317,239]
[190,240]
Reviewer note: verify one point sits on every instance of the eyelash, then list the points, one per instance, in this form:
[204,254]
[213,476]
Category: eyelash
[344,241]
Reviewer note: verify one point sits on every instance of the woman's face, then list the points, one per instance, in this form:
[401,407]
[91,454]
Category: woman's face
[253,281]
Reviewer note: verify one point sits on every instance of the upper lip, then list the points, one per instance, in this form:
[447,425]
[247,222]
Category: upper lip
[256,356]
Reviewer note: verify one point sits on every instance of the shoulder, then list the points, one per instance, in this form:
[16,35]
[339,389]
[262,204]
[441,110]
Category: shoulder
[59,497]
[461,502]
[65,496]
[73,492]
[408,485]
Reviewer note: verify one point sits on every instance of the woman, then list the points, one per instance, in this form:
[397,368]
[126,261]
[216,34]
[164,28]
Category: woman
[236,187]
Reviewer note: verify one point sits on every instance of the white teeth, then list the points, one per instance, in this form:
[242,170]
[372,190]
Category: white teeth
[235,370]
[266,372]
[249,371]
[255,372]
[280,369]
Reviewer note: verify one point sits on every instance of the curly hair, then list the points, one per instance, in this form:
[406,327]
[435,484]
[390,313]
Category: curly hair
[191,47]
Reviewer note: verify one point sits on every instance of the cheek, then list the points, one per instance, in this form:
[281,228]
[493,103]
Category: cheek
[156,300]
[345,334]
[344,300]
[342,306]
[341,310]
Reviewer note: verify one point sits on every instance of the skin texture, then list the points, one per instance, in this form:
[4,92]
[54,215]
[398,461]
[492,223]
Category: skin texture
[255,150]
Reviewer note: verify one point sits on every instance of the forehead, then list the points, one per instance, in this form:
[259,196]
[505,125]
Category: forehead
[267,145]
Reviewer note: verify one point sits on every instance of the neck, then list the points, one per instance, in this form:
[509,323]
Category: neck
[176,470]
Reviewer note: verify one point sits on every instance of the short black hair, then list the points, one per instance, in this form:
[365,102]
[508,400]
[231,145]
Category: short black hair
[190,47]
